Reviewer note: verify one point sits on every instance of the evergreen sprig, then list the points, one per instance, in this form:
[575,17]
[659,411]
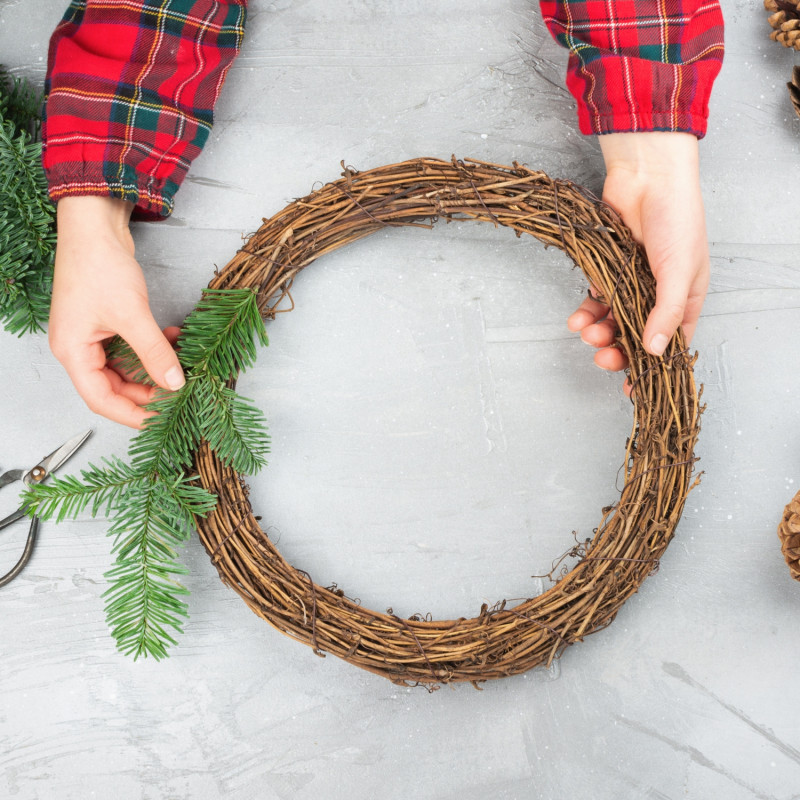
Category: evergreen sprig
[120,354]
[20,104]
[27,217]
[99,489]
[152,500]
[218,336]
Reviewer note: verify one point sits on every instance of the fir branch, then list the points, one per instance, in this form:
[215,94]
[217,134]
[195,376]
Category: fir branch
[222,334]
[151,500]
[166,444]
[156,516]
[24,188]
[191,500]
[144,598]
[98,488]
[123,358]
[234,429]
[27,217]
[20,103]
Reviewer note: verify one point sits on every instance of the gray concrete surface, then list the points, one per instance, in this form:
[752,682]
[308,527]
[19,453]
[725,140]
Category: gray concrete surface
[437,435]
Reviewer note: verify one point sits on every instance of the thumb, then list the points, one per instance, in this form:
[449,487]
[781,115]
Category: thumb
[155,352]
[682,277]
[674,305]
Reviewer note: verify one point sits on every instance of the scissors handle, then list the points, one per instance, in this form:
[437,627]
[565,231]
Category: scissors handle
[26,553]
[11,519]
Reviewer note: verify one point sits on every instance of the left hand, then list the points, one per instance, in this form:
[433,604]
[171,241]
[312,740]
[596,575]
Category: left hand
[99,291]
[653,182]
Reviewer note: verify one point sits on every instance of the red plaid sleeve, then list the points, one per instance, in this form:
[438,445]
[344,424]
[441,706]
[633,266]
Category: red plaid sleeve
[639,65]
[130,90]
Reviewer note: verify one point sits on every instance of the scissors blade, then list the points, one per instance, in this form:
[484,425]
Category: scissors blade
[58,457]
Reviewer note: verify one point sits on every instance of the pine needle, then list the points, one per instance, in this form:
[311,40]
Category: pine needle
[221,336]
[27,217]
[151,500]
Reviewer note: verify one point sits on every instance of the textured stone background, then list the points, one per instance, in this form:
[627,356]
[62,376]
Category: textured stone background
[437,436]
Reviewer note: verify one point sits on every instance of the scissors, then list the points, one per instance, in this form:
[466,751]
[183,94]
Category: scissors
[32,477]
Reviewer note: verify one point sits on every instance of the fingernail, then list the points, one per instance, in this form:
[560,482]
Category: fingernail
[175,378]
[658,344]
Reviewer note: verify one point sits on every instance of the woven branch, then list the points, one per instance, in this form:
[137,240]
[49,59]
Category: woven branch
[658,461]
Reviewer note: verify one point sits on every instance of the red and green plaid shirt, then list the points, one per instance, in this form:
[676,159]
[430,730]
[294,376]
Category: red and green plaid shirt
[639,65]
[132,84]
[131,87]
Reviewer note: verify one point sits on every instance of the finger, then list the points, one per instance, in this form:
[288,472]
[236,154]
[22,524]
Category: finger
[154,350]
[95,388]
[138,393]
[601,334]
[672,296]
[588,312]
[681,270]
[132,373]
[172,332]
[694,305]
[611,358]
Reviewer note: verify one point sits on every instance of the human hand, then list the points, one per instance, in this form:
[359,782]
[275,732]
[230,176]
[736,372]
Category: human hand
[653,182]
[99,291]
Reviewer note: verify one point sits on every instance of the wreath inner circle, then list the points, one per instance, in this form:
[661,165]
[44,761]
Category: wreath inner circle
[658,457]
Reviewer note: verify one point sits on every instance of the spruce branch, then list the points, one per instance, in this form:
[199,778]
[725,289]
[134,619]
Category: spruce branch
[27,217]
[152,501]
[221,336]
[100,489]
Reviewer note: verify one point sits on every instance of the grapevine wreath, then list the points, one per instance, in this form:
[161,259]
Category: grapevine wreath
[632,534]
[153,500]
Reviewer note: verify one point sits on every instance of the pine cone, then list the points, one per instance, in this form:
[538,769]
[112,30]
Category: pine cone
[794,89]
[789,534]
[785,21]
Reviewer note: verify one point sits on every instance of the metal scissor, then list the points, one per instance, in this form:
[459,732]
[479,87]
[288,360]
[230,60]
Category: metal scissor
[33,476]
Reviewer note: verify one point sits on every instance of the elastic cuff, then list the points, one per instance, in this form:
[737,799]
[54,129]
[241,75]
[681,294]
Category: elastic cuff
[617,94]
[150,203]
[681,121]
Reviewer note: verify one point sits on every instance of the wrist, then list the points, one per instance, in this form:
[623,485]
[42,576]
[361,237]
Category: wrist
[93,212]
[83,219]
[651,152]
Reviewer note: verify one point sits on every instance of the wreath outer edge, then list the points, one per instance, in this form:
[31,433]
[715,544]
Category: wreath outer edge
[633,533]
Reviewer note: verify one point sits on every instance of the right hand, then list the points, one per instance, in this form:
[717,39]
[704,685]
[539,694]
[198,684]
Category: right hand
[653,181]
[99,291]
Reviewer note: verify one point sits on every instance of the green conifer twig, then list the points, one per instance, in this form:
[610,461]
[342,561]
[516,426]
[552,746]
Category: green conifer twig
[27,217]
[152,500]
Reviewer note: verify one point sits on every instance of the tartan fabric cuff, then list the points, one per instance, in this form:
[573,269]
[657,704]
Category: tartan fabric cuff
[75,179]
[639,65]
[642,96]
[131,89]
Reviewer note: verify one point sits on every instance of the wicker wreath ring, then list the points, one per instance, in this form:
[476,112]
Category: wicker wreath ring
[658,468]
